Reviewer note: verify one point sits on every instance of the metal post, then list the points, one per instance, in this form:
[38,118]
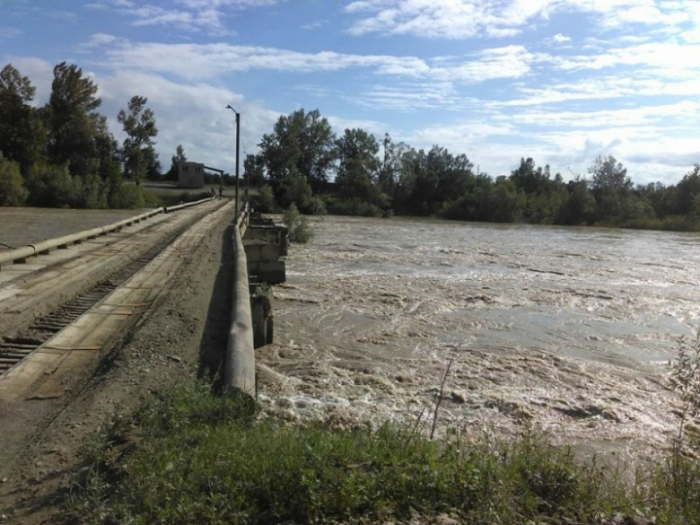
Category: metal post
[247,185]
[238,149]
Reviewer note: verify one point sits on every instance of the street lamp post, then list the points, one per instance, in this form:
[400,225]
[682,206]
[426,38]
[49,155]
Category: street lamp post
[238,149]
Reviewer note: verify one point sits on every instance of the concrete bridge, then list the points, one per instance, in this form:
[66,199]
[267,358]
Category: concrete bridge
[63,299]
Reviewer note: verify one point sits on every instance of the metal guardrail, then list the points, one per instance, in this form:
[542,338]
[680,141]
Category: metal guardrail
[20,255]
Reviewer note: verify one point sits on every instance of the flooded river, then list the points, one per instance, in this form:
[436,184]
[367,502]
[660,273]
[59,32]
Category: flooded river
[565,328]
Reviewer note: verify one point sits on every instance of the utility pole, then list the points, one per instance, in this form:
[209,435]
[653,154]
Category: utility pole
[238,150]
[238,153]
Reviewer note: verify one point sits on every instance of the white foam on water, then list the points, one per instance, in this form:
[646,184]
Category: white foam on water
[566,328]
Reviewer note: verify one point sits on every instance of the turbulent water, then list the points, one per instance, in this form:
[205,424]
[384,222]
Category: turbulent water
[565,328]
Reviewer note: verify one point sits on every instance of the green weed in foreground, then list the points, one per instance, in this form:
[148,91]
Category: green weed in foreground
[197,458]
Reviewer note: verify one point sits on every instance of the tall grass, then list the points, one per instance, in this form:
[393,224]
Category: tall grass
[197,458]
[191,457]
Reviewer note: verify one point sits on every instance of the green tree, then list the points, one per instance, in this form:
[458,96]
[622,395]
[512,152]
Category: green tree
[662,198]
[505,204]
[438,177]
[149,166]
[264,200]
[21,131]
[581,204]
[688,191]
[295,189]
[51,186]
[71,119]
[12,191]
[140,126]
[386,178]
[108,154]
[358,166]
[530,178]
[175,161]
[607,174]
[405,163]
[476,202]
[254,170]
[455,177]
[301,143]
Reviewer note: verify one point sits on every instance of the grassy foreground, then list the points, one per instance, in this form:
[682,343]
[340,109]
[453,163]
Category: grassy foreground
[191,457]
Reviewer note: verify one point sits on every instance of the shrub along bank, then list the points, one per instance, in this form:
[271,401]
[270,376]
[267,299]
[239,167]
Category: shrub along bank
[192,457]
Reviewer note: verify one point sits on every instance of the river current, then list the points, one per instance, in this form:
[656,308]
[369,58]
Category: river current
[567,329]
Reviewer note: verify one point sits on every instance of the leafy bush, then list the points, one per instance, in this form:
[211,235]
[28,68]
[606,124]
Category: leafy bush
[296,190]
[54,186]
[298,227]
[89,192]
[680,223]
[317,206]
[264,200]
[354,207]
[127,196]
[12,190]
[51,186]
[151,199]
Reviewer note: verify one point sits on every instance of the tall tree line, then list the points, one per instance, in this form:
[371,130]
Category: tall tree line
[304,162]
[63,154]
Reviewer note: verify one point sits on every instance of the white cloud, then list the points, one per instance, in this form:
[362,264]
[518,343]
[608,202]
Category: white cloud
[680,60]
[456,19]
[608,87]
[561,39]
[528,115]
[639,117]
[315,25]
[209,60]
[339,125]
[188,15]
[497,148]
[194,61]
[192,114]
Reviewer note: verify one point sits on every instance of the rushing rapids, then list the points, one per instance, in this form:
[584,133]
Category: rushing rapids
[565,328]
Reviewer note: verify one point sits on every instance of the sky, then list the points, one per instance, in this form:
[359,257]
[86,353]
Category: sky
[561,81]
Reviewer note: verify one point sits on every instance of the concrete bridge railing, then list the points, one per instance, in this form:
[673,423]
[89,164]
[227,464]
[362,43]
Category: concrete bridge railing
[257,247]
[239,367]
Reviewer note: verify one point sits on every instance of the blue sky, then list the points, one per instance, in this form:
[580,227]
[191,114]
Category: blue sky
[557,80]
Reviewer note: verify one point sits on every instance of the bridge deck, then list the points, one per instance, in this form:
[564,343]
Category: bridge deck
[22,226]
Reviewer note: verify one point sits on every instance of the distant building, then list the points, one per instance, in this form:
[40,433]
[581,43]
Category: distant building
[190,175]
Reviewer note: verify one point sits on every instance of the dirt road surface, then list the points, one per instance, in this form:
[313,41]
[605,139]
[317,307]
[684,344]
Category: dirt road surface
[181,336]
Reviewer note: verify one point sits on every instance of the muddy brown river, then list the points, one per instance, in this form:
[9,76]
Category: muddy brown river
[567,329]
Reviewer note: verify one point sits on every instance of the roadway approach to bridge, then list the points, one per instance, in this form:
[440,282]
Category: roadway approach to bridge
[92,327]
